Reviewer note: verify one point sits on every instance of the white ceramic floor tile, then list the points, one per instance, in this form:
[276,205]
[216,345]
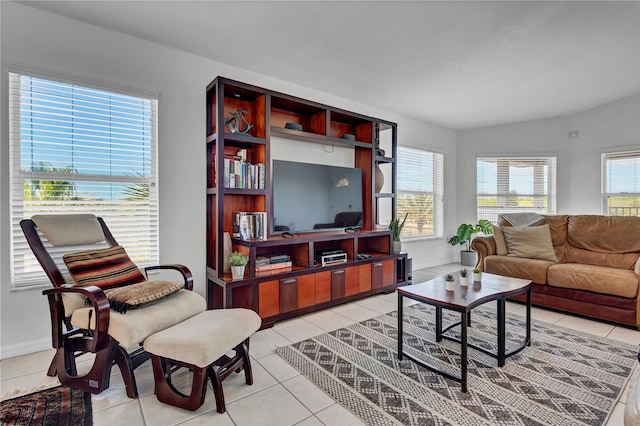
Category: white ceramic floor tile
[211,418]
[355,312]
[300,331]
[235,386]
[26,364]
[338,415]
[628,335]
[381,306]
[329,320]
[276,366]
[265,342]
[308,393]
[310,421]
[545,315]
[158,413]
[128,413]
[582,324]
[617,416]
[271,406]
[27,382]
[289,322]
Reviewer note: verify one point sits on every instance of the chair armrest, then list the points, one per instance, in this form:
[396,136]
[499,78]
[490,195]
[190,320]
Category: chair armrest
[484,246]
[101,308]
[183,270]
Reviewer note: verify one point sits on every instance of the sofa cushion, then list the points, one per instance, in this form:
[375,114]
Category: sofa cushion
[529,242]
[605,234]
[517,267]
[501,243]
[598,279]
[138,324]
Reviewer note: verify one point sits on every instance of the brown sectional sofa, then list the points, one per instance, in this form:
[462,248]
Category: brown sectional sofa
[597,272]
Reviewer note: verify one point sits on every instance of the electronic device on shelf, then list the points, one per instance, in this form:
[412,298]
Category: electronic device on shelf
[330,257]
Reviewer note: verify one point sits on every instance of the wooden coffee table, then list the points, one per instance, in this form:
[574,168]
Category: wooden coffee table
[463,300]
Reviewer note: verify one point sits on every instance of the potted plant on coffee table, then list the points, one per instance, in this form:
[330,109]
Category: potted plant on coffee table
[396,228]
[450,282]
[237,261]
[464,236]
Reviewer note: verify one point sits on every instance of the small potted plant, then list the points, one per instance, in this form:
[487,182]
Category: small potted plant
[237,261]
[396,228]
[464,236]
[477,274]
[449,282]
[464,277]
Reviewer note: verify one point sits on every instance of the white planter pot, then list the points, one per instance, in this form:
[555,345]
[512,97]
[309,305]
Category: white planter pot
[464,281]
[397,247]
[451,285]
[237,272]
[477,276]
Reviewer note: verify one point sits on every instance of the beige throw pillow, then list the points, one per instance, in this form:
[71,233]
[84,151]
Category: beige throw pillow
[501,244]
[532,242]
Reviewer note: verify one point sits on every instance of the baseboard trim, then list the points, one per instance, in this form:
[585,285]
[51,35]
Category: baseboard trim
[25,348]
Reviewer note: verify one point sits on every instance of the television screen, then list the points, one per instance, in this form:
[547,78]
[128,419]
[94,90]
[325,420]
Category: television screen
[314,197]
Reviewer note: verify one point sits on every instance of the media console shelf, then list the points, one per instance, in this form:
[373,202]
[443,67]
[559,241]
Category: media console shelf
[239,180]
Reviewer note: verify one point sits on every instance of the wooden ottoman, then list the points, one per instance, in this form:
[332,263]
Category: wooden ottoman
[200,344]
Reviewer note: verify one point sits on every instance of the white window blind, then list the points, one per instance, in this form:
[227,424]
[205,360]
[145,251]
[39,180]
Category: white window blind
[420,189]
[515,184]
[78,149]
[621,183]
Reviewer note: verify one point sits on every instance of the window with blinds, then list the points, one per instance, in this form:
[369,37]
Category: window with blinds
[420,188]
[78,149]
[621,183]
[515,184]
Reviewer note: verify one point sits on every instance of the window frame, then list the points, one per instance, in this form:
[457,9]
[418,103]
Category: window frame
[619,153]
[28,276]
[437,172]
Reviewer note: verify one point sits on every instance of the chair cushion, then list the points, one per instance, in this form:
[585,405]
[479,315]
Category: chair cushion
[518,267]
[598,279]
[204,338]
[138,324]
[106,267]
[69,229]
[134,295]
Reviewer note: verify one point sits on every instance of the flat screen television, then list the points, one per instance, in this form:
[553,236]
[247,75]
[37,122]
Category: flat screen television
[315,197]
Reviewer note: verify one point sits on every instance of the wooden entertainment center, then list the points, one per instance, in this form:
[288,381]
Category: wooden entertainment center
[306,285]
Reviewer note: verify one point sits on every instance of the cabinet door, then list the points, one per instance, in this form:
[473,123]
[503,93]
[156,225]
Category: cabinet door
[288,294]
[377,275]
[388,272]
[364,278]
[352,280]
[306,291]
[323,286]
[338,278]
[269,298]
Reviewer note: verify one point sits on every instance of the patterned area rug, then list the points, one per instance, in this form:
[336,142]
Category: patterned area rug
[565,377]
[54,406]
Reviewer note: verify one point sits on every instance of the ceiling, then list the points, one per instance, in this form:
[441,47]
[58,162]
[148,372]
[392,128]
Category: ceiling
[452,63]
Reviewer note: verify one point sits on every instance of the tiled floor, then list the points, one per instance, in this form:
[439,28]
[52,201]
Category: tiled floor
[280,395]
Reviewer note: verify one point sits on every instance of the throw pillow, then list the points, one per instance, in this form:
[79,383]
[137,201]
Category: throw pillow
[106,268]
[135,295]
[530,242]
[501,244]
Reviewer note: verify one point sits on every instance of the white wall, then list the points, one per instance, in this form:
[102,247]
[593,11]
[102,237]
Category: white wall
[610,126]
[57,45]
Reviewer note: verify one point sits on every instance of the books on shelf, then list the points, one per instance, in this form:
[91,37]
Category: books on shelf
[238,173]
[274,266]
[250,225]
[273,261]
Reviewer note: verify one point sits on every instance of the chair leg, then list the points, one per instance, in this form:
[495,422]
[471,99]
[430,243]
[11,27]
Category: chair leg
[216,384]
[244,352]
[126,369]
[168,394]
[97,379]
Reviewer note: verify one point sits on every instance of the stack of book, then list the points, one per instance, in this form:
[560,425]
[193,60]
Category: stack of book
[239,173]
[269,262]
[250,226]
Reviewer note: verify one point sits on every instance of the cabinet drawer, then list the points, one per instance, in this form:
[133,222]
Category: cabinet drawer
[306,291]
[364,278]
[382,273]
[323,286]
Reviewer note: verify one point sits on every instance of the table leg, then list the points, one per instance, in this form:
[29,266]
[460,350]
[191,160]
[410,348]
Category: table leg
[463,351]
[438,324]
[529,316]
[400,315]
[501,331]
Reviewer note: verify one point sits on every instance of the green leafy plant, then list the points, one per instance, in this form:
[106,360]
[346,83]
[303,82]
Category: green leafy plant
[476,270]
[449,277]
[396,227]
[466,231]
[238,259]
[464,272]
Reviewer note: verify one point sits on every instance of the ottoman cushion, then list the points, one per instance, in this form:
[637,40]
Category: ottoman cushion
[202,339]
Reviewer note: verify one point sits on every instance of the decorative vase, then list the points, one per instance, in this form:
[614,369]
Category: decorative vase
[467,258]
[464,281]
[226,251]
[477,276]
[397,247]
[451,285]
[379,178]
[237,272]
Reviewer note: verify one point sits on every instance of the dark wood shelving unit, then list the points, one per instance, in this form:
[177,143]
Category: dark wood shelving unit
[305,286]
